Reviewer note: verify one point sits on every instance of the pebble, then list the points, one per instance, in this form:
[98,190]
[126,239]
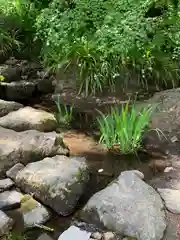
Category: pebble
[96,235]
[6,224]
[73,233]
[168,169]
[5,184]
[108,236]
[12,172]
[10,199]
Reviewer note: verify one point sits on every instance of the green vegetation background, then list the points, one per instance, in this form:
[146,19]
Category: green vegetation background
[109,41]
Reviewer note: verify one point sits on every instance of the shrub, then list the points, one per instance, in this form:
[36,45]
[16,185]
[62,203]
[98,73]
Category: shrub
[122,129]
[110,40]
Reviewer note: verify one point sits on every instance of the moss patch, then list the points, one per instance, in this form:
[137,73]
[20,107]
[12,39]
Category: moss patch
[27,204]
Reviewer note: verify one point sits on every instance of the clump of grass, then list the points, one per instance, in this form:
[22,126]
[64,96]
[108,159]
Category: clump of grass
[122,130]
[65,112]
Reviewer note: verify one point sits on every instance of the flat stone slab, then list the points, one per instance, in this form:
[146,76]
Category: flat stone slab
[6,184]
[10,199]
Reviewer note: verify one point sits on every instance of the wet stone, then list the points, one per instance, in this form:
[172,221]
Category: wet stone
[12,172]
[9,200]
[6,184]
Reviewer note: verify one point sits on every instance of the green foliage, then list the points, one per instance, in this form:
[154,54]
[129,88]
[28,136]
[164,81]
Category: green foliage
[8,40]
[18,18]
[122,129]
[109,39]
[65,112]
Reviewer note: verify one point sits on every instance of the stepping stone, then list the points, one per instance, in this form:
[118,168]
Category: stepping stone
[10,199]
[28,118]
[58,182]
[28,146]
[73,233]
[8,106]
[6,224]
[6,184]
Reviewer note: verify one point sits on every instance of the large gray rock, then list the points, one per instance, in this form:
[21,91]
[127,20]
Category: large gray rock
[74,232]
[58,182]
[6,224]
[129,207]
[27,146]
[7,107]
[28,118]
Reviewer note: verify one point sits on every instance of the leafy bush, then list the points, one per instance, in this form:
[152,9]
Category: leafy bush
[122,129]
[110,40]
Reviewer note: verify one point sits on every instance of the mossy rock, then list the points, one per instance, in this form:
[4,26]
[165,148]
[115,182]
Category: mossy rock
[27,204]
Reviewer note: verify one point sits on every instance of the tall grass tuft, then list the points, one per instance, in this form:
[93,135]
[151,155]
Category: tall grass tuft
[121,130]
[65,112]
